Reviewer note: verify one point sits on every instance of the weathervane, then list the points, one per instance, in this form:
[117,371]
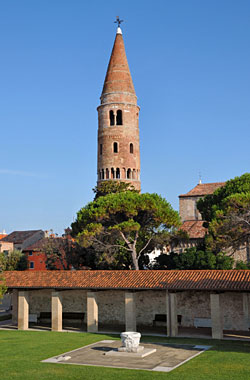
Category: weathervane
[118,21]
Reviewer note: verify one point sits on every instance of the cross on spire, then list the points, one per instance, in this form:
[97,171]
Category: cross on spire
[118,21]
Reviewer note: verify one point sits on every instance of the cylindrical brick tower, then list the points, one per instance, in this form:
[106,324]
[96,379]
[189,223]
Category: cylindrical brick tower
[118,122]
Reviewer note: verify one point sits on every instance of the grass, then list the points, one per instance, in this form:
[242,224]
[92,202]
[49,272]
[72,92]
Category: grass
[22,351]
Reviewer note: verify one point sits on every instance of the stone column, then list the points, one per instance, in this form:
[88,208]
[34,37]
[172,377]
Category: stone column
[168,326]
[56,311]
[92,312]
[173,314]
[23,310]
[14,303]
[130,315]
[246,314]
[216,316]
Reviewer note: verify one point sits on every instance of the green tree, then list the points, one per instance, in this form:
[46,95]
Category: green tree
[124,221]
[13,260]
[3,287]
[112,187]
[58,253]
[193,258]
[227,214]
[212,203]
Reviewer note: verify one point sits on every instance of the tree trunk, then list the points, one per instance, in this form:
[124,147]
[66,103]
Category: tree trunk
[134,259]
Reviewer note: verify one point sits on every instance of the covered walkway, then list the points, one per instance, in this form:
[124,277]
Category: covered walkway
[174,303]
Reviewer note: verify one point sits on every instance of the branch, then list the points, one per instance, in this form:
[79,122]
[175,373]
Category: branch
[111,245]
[125,239]
[145,246]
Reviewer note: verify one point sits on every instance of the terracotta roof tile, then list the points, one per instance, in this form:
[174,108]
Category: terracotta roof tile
[2,236]
[194,228]
[203,189]
[214,280]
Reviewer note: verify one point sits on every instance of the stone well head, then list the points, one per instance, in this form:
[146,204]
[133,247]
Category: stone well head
[130,340]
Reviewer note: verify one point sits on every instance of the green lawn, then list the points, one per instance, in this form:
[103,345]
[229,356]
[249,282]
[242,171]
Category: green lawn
[22,351]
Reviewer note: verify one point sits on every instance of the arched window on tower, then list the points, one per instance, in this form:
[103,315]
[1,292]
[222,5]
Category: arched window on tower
[131,148]
[112,117]
[129,174]
[100,149]
[102,173]
[117,173]
[115,147]
[119,117]
[107,174]
[112,173]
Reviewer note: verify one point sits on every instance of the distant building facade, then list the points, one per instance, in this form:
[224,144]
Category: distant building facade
[37,253]
[22,239]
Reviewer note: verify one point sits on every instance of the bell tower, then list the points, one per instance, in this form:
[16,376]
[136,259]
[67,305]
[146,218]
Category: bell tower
[118,121]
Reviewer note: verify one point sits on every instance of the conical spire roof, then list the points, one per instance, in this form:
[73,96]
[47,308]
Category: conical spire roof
[118,77]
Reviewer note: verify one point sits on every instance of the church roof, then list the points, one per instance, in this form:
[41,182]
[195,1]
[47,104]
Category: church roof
[203,189]
[118,77]
[213,280]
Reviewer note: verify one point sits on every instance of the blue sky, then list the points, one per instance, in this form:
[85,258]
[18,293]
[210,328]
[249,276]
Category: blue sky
[190,63]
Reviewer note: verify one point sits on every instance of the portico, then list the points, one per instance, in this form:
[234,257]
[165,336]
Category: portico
[103,297]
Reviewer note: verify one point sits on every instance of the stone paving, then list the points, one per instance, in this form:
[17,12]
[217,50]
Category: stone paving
[166,357]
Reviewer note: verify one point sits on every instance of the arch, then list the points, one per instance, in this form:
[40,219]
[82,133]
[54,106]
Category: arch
[131,148]
[119,117]
[107,174]
[115,147]
[124,175]
[100,149]
[129,174]
[102,173]
[118,173]
[111,117]
[134,174]
[112,173]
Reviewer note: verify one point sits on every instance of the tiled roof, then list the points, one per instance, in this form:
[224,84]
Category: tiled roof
[214,280]
[194,228]
[2,236]
[203,189]
[19,236]
[43,243]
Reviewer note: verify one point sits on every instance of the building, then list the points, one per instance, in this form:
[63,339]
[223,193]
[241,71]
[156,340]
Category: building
[22,239]
[192,222]
[205,302]
[37,256]
[188,202]
[118,122]
[2,234]
[6,247]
